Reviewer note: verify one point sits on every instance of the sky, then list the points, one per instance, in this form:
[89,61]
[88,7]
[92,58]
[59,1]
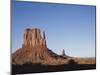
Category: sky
[69,27]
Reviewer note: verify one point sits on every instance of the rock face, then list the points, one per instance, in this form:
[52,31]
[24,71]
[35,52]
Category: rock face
[34,50]
[33,38]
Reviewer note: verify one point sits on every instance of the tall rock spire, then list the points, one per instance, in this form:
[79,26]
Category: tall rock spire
[63,52]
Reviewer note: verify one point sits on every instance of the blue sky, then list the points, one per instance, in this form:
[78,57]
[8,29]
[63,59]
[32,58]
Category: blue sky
[69,27]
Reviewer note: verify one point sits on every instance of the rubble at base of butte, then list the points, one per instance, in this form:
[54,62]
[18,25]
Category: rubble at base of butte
[34,50]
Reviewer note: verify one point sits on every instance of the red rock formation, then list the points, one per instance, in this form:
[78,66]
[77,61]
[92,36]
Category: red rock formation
[34,50]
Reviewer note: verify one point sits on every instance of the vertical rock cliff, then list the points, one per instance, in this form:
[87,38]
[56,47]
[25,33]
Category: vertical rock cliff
[34,39]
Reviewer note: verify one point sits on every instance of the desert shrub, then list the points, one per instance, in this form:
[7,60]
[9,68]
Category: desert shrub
[72,62]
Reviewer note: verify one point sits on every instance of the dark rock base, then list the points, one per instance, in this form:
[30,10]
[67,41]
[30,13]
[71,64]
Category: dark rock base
[38,68]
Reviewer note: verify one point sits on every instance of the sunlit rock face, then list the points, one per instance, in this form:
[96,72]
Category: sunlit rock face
[33,38]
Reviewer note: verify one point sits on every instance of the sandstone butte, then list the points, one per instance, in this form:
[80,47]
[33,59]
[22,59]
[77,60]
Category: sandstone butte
[34,50]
